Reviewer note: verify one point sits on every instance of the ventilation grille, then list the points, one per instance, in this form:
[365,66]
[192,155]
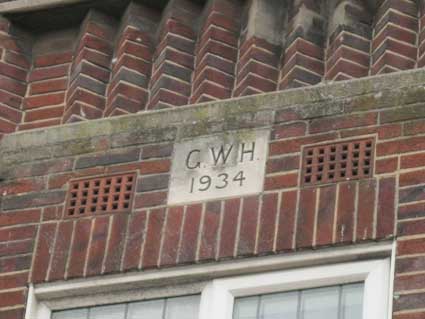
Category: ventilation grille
[337,162]
[100,195]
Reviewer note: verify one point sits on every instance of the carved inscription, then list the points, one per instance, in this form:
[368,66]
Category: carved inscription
[218,166]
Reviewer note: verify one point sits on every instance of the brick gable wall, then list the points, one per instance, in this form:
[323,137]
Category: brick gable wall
[38,243]
[112,67]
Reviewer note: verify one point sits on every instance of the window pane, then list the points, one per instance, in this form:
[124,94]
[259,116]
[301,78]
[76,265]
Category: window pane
[182,308]
[352,301]
[279,306]
[337,302]
[320,303]
[71,314]
[246,308]
[146,310]
[108,312]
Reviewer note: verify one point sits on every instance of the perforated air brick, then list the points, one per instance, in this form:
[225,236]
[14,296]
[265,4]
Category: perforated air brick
[330,163]
[100,195]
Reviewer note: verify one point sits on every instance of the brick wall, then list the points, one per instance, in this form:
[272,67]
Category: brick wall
[40,243]
[144,58]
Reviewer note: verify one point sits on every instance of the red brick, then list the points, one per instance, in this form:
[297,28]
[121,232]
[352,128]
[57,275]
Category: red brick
[412,178]
[136,237]
[154,167]
[21,185]
[172,236]
[12,298]
[145,200]
[48,86]
[17,233]
[389,131]
[79,248]
[387,165]
[366,209]
[287,163]
[346,212]
[17,59]
[15,263]
[52,213]
[409,282]
[229,227]
[154,233]
[46,239]
[60,180]
[411,247]
[248,226]
[401,146]
[43,114]
[156,151]
[412,161]
[306,215]
[281,181]
[414,128]
[414,227]
[13,280]
[33,102]
[53,59]
[48,73]
[12,72]
[411,211]
[12,314]
[412,194]
[189,242]
[97,246]
[267,223]
[337,123]
[411,315]
[60,252]
[210,230]
[325,215]
[12,248]
[20,217]
[386,208]
[116,243]
[294,145]
[285,234]
[289,130]
[410,264]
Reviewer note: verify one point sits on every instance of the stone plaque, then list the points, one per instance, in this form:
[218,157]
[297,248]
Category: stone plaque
[218,166]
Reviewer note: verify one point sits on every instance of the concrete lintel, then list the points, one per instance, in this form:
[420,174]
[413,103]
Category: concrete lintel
[325,100]
[18,6]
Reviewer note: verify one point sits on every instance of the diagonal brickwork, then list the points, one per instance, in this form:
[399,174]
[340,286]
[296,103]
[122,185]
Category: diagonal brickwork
[173,60]
[395,33]
[44,102]
[132,64]
[15,62]
[303,58]
[91,68]
[349,40]
[216,51]
[259,48]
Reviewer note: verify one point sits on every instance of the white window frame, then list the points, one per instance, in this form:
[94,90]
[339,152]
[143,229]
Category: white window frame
[220,283]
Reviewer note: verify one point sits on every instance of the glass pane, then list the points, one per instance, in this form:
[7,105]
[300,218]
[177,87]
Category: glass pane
[71,314]
[182,308]
[320,303]
[279,306]
[352,301]
[108,312]
[246,308]
[146,310]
